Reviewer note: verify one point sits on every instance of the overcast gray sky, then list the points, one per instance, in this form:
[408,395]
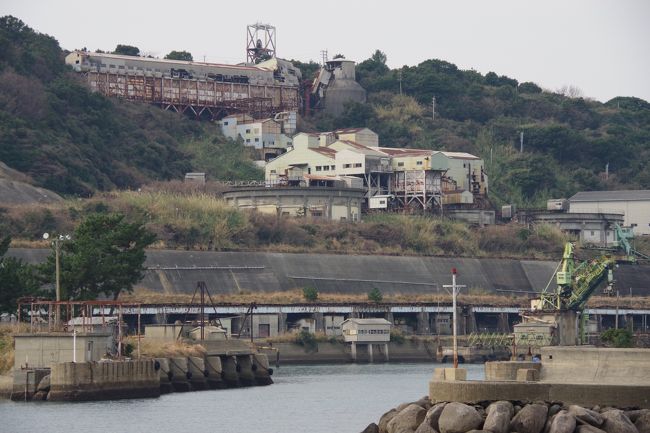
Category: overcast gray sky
[600,46]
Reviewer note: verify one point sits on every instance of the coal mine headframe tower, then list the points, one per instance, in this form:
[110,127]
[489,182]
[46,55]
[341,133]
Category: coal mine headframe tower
[260,42]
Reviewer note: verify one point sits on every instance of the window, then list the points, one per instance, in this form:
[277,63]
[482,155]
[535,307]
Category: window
[347,165]
[256,130]
[225,123]
[257,140]
[326,168]
[318,168]
[400,164]
[419,163]
[272,171]
[120,67]
[357,164]
[248,131]
[248,140]
[333,167]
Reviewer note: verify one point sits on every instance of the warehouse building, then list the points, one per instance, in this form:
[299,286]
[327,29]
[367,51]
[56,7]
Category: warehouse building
[634,204]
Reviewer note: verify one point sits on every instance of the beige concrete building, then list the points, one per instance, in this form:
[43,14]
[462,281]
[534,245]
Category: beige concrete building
[634,204]
[42,350]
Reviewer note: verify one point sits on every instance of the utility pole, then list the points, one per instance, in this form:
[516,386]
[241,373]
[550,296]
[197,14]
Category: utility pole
[455,288]
[323,54]
[521,142]
[400,82]
[433,108]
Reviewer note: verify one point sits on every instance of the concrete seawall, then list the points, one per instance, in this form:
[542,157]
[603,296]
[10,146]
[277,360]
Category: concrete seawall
[586,376]
[87,381]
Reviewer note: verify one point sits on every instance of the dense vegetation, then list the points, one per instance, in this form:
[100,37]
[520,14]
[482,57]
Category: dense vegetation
[568,139]
[201,221]
[76,142]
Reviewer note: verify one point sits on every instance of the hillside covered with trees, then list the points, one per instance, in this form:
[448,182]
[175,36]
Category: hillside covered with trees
[75,142]
[568,139]
[72,141]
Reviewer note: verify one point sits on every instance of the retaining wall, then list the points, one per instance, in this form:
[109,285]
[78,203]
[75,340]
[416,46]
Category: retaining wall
[344,273]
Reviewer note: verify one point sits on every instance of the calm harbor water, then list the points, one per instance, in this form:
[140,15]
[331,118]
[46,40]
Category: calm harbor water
[314,399]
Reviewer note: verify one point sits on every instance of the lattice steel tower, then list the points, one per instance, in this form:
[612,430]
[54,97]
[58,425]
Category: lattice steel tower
[260,42]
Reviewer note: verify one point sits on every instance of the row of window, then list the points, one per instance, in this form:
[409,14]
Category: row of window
[355,165]
[401,164]
[365,331]
[325,167]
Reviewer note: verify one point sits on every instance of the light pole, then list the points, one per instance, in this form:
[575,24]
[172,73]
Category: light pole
[455,288]
[57,250]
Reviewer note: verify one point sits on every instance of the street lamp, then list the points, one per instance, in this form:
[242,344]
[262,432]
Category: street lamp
[57,250]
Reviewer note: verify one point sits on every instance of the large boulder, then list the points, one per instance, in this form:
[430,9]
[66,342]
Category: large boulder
[425,428]
[586,416]
[588,428]
[459,418]
[563,422]
[530,419]
[372,428]
[385,419]
[499,415]
[642,422]
[433,416]
[407,420]
[617,422]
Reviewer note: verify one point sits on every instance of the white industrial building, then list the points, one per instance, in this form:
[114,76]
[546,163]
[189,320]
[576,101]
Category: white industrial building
[269,136]
[417,178]
[367,332]
[634,204]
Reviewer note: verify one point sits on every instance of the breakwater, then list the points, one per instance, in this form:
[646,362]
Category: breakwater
[92,381]
[503,416]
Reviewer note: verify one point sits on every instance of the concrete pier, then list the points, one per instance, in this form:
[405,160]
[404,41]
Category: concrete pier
[245,370]
[196,367]
[181,374]
[585,376]
[165,375]
[262,370]
[215,372]
[88,381]
[229,368]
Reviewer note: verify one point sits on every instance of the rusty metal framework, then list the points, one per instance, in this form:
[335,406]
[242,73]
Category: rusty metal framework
[210,98]
[45,316]
[260,42]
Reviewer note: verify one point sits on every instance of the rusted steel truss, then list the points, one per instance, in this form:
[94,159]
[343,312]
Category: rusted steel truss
[201,98]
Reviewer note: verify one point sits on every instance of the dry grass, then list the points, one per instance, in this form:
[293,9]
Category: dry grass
[164,349]
[7,345]
[147,296]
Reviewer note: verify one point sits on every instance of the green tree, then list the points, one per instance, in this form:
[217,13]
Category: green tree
[180,55]
[310,293]
[617,337]
[375,295]
[104,257]
[127,50]
[17,279]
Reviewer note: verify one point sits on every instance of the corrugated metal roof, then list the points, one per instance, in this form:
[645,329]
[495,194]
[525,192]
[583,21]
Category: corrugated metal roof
[185,62]
[324,151]
[348,130]
[623,195]
[459,155]
[364,149]
[393,151]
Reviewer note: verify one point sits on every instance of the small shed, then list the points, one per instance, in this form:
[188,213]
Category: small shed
[366,330]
